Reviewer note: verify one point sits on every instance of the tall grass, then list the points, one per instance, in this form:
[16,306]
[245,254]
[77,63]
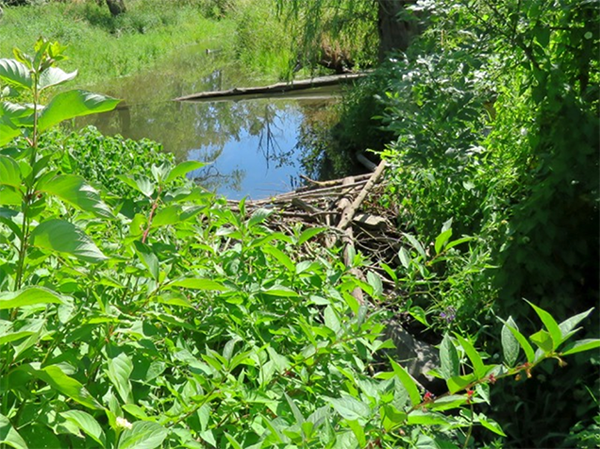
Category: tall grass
[104,47]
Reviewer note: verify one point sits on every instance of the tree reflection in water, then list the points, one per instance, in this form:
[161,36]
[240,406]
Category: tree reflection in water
[252,145]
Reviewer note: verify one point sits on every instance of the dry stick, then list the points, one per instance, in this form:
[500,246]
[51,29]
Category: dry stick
[349,212]
[348,240]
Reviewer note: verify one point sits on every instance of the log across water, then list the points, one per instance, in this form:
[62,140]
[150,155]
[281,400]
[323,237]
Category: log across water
[314,86]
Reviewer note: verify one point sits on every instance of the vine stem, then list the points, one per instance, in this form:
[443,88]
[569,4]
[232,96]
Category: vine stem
[151,216]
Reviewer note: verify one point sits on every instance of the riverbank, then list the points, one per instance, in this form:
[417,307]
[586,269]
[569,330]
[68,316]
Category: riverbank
[103,47]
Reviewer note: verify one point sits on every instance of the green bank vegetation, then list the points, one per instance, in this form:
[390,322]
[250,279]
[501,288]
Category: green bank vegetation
[103,46]
[138,310]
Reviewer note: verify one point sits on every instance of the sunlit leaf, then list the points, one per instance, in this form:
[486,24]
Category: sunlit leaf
[29,297]
[147,257]
[143,435]
[87,424]
[350,408]
[199,284]
[9,436]
[581,346]
[15,73]
[53,76]
[308,234]
[119,370]
[71,104]
[474,357]
[529,352]
[408,382]
[10,173]
[76,191]
[64,384]
[64,237]
[183,169]
[543,340]
[448,358]
[510,345]
[550,324]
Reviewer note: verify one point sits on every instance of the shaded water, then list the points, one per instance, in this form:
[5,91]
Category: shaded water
[251,146]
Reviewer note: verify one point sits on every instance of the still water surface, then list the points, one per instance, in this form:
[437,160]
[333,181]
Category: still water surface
[251,146]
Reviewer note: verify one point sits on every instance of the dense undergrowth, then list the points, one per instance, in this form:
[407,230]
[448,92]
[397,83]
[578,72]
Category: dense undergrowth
[494,120]
[139,310]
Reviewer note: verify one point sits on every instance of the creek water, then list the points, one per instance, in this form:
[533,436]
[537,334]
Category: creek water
[250,147]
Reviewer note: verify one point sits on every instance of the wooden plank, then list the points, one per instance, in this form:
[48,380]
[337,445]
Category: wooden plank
[274,89]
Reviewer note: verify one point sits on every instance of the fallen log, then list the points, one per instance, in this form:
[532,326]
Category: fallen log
[273,89]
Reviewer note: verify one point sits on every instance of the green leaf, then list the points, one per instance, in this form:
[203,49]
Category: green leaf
[350,408]
[64,384]
[76,191]
[421,418]
[8,130]
[474,357]
[529,353]
[280,256]
[309,234]
[295,410]
[87,424]
[442,239]
[457,242]
[543,340]
[416,245]
[359,432]
[458,383]
[167,216]
[233,441]
[281,291]
[8,435]
[492,425]
[10,173]
[375,281]
[29,297]
[53,76]
[404,257]
[39,436]
[71,104]
[448,402]
[550,324]
[567,327]
[147,257]
[581,345]
[510,345]
[183,169]
[259,216]
[448,358]
[198,284]
[119,370]
[64,237]
[15,74]
[408,382]
[143,435]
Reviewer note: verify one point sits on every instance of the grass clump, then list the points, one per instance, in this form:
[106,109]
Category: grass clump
[110,47]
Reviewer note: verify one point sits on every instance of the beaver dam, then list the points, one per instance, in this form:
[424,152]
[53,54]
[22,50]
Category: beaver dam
[349,212]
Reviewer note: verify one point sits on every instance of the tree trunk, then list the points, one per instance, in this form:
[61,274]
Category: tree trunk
[395,33]
[116,7]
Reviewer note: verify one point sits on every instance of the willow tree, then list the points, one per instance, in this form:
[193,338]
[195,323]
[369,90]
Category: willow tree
[377,26]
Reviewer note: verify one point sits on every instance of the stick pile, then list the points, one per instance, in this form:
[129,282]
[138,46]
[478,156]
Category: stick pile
[349,208]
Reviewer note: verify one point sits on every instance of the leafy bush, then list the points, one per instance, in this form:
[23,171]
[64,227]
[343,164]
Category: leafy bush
[173,326]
